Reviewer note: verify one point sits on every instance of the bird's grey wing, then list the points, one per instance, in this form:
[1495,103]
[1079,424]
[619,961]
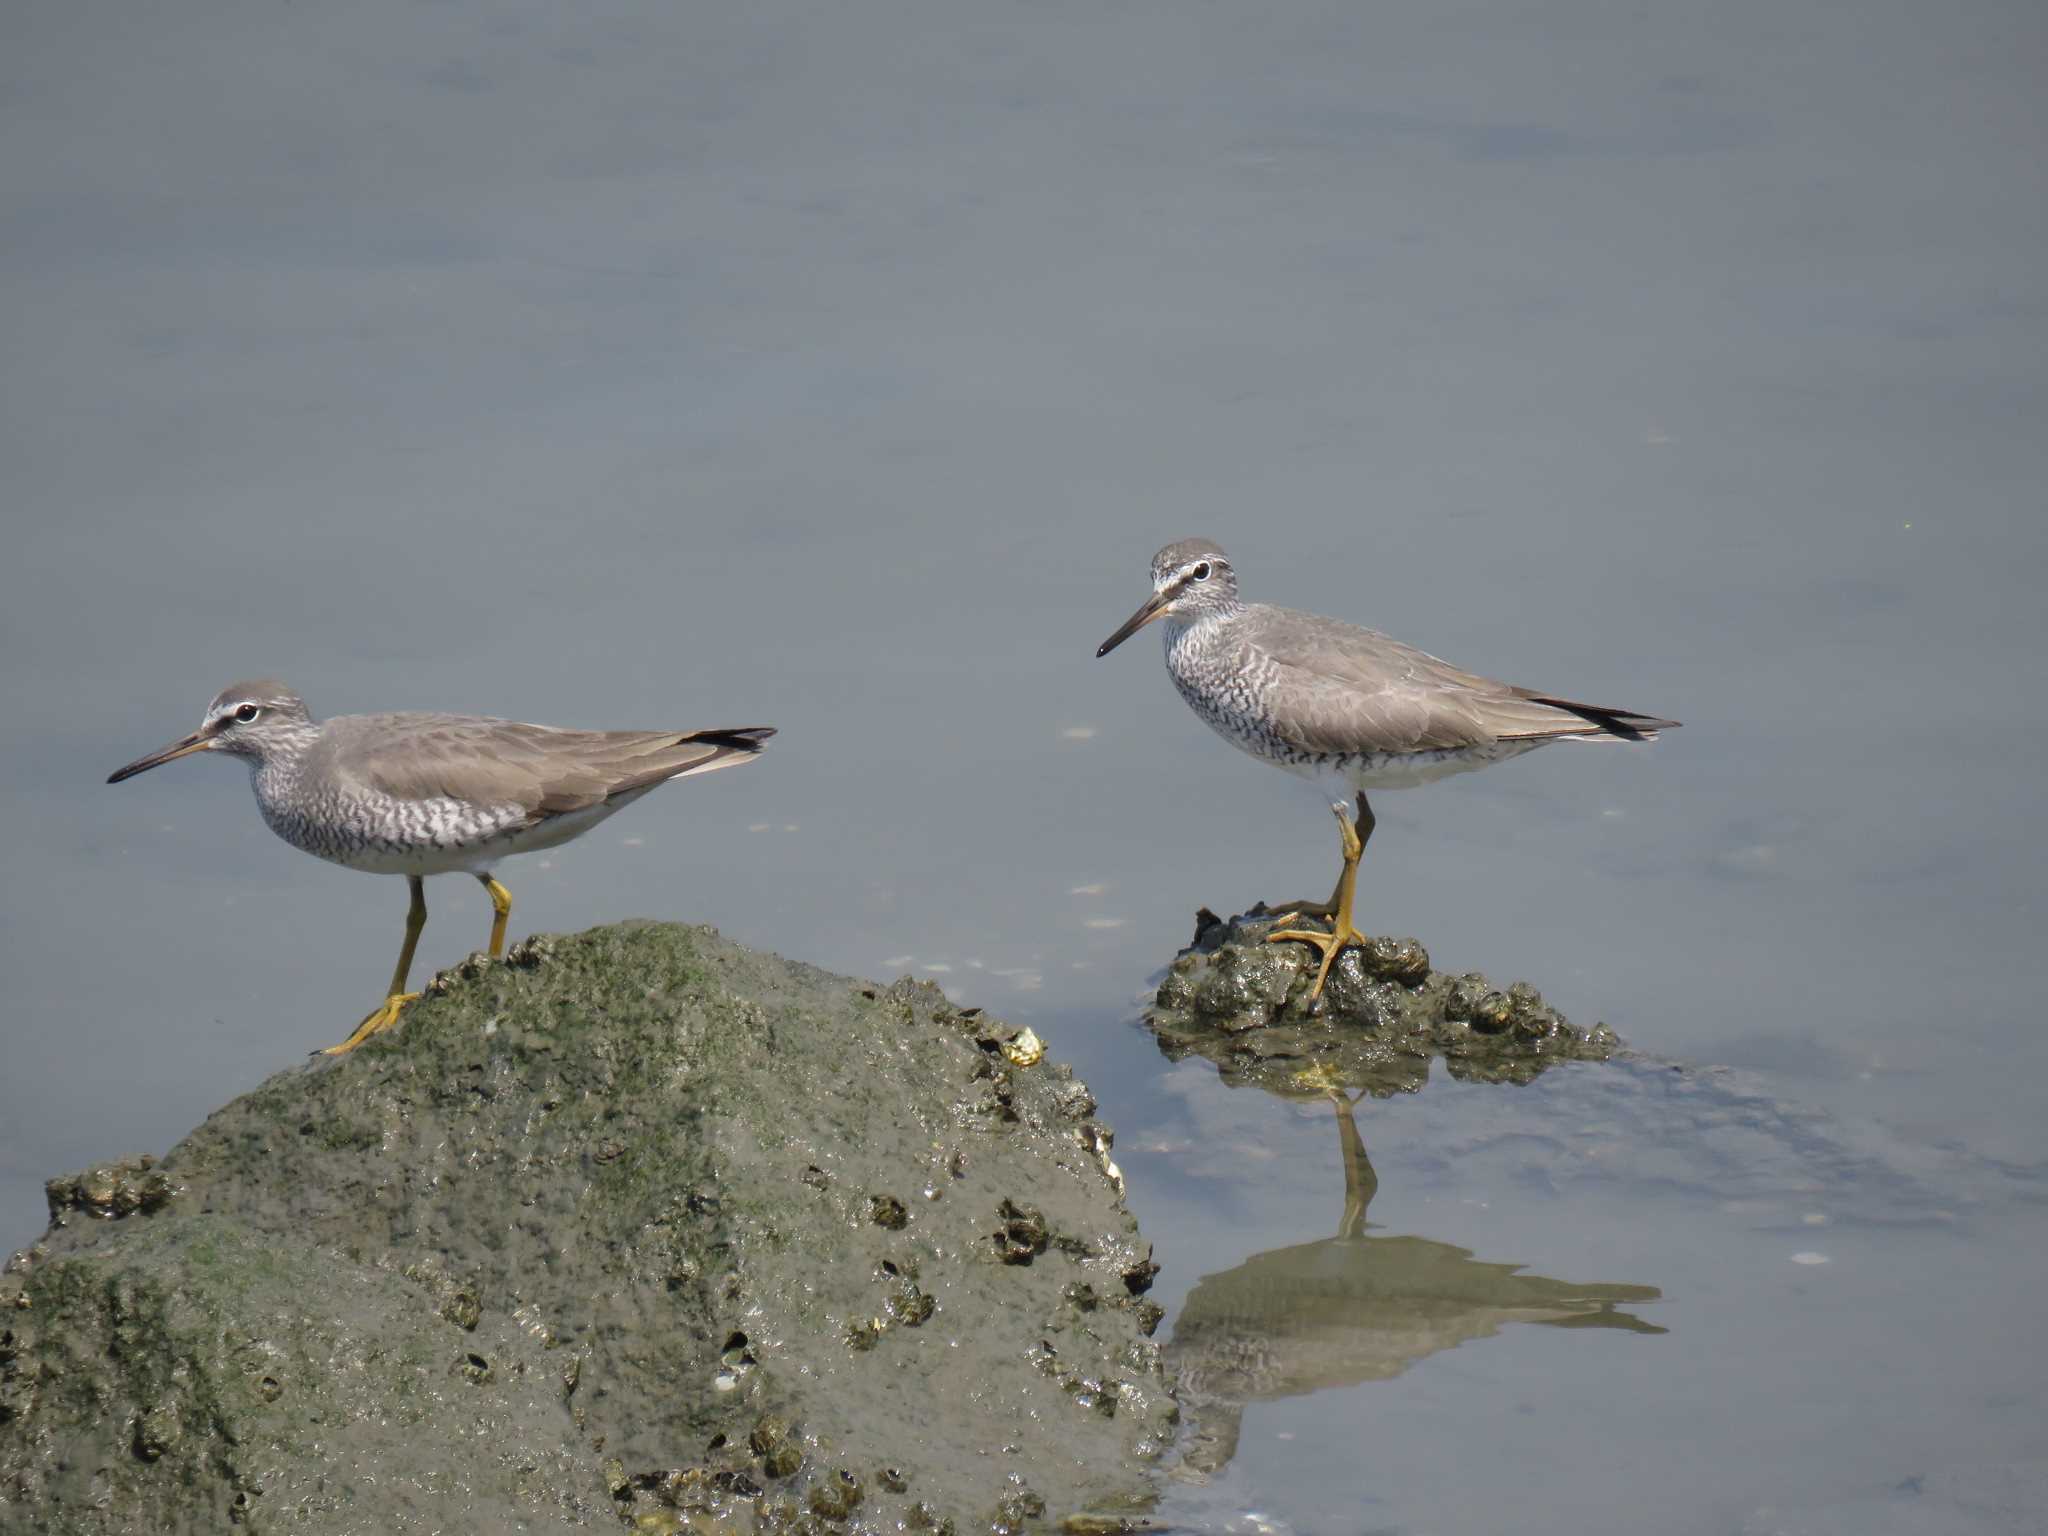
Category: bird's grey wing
[538,769]
[1338,688]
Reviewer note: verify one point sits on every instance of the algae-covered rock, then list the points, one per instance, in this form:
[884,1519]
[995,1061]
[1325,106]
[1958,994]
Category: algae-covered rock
[1243,1003]
[635,1229]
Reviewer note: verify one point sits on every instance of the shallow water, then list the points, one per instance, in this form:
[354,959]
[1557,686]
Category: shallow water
[842,372]
[1830,1339]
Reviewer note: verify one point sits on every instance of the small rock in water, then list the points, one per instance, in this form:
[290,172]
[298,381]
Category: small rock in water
[1242,1002]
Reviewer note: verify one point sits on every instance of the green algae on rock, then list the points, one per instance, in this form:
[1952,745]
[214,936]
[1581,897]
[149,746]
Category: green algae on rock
[1384,1013]
[636,1228]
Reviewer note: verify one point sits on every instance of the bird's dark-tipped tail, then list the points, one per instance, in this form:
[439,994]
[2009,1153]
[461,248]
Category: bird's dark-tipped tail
[1624,723]
[729,744]
[739,738]
[689,752]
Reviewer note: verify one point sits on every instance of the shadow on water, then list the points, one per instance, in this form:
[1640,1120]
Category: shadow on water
[1353,1308]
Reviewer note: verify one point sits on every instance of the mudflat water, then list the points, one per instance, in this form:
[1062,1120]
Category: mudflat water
[841,369]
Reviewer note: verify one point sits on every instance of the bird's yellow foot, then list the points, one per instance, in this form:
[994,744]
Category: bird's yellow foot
[1332,944]
[1338,913]
[379,1021]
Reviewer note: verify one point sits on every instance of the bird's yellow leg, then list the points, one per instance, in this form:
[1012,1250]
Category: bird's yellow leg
[1327,909]
[501,903]
[386,1014]
[1342,930]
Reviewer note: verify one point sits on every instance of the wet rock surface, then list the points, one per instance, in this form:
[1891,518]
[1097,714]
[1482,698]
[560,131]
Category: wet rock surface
[1383,1015]
[636,1229]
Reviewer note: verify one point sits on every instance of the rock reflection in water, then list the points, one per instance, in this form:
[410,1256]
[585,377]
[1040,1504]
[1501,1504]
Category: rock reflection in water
[1352,1308]
[1349,1309]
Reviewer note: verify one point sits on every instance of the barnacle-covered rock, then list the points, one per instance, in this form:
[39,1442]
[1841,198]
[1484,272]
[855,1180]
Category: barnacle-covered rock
[1384,1014]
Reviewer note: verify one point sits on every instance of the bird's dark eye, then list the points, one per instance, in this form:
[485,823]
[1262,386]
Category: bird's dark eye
[1201,571]
[247,713]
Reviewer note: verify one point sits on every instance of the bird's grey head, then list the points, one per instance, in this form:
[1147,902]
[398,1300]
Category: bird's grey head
[1191,580]
[250,719]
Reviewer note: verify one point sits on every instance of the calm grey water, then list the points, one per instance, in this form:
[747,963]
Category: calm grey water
[841,367]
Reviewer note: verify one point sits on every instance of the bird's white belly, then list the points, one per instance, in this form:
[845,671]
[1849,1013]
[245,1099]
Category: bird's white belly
[1405,770]
[1342,777]
[448,855]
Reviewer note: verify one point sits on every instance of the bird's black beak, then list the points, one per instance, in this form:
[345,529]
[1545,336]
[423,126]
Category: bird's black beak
[1154,606]
[198,741]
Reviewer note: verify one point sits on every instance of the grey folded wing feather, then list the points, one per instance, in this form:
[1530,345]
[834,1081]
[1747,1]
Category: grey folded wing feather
[540,769]
[1338,688]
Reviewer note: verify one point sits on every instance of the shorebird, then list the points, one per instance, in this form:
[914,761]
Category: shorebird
[1348,708]
[421,794]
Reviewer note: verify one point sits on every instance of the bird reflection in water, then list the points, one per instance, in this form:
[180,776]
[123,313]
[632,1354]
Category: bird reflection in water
[1352,1308]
